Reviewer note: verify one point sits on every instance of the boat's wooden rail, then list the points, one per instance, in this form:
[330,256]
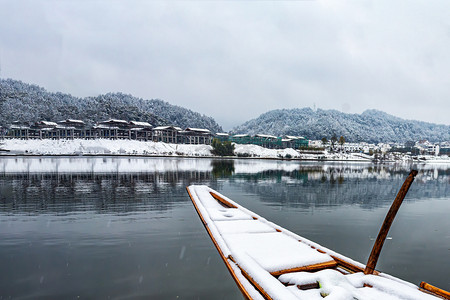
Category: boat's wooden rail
[225,260]
[222,201]
[434,290]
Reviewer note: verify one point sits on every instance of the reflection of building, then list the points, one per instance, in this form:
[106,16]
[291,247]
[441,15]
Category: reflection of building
[109,192]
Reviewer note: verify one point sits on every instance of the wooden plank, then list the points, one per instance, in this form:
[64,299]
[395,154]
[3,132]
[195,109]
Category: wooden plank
[350,266]
[308,286]
[222,201]
[315,267]
[225,260]
[256,285]
[376,250]
[435,290]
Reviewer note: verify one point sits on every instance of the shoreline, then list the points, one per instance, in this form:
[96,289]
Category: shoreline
[149,149]
[220,158]
[184,156]
[131,148]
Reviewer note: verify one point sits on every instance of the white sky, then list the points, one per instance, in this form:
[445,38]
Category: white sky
[234,60]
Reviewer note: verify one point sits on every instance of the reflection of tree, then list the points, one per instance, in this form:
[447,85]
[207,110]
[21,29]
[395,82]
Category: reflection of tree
[292,185]
[222,168]
[341,185]
[273,175]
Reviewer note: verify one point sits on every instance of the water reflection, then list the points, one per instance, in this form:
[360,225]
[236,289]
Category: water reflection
[123,185]
[222,168]
[102,193]
[337,185]
[117,227]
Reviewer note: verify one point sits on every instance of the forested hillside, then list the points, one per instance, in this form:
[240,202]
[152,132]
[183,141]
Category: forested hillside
[370,126]
[30,103]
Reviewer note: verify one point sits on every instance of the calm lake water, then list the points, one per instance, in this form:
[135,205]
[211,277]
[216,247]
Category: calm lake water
[125,228]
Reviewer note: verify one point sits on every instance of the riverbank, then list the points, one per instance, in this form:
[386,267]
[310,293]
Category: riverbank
[106,147]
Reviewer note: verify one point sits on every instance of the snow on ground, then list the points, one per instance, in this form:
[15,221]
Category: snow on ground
[258,151]
[103,146]
[133,147]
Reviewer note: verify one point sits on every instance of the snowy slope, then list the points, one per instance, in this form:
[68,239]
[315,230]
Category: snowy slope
[370,126]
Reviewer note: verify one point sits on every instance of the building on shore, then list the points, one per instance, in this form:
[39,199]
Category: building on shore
[294,142]
[142,131]
[271,141]
[195,136]
[222,136]
[241,139]
[71,129]
[166,134]
[112,129]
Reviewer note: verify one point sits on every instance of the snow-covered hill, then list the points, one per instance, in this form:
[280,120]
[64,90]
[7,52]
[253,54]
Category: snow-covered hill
[31,103]
[370,126]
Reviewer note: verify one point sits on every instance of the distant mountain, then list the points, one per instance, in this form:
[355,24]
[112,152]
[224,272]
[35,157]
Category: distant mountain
[370,126]
[30,103]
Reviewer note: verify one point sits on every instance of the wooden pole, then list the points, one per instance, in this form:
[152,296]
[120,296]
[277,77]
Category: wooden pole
[436,290]
[373,258]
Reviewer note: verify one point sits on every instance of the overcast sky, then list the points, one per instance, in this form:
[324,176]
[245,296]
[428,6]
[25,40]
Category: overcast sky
[234,60]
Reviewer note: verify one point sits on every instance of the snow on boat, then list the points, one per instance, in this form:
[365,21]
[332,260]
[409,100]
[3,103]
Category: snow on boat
[270,262]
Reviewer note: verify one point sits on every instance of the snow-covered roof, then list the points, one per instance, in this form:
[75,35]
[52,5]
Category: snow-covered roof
[48,123]
[114,121]
[72,121]
[64,127]
[198,129]
[293,137]
[266,136]
[241,135]
[104,126]
[14,126]
[167,127]
[222,134]
[142,124]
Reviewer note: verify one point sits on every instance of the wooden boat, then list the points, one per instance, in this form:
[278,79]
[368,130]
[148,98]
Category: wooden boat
[270,262]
